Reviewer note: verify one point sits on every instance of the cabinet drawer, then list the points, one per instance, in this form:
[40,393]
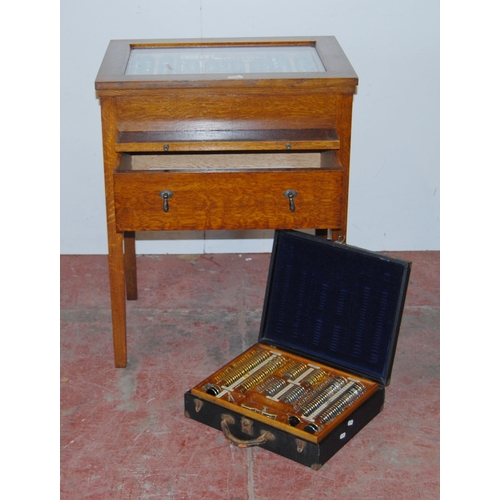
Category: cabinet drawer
[228,199]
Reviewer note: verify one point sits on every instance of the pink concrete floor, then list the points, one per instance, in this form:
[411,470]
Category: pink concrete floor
[123,431]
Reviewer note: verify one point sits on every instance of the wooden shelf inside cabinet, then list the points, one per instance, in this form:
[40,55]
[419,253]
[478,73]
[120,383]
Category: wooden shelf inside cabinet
[228,140]
[221,134]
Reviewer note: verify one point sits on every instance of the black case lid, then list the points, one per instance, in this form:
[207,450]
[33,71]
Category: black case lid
[334,303]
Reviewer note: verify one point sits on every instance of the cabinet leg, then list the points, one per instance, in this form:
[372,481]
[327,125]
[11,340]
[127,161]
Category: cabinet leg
[331,234]
[118,303]
[130,265]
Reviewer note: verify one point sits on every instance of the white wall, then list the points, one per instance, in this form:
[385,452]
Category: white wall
[393,46]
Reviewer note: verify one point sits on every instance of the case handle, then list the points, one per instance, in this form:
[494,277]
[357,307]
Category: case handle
[226,420]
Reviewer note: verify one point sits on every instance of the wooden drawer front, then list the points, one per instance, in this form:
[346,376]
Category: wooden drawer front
[228,200]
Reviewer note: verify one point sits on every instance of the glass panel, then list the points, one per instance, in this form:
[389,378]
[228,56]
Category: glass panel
[214,60]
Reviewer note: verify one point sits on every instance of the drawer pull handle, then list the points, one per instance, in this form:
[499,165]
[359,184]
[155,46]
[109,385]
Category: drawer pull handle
[166,195]
[291,194]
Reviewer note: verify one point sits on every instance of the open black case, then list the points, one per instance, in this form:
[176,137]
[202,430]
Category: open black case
[324,356]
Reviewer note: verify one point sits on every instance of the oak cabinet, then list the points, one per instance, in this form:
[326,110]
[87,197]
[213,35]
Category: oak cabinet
[221,134]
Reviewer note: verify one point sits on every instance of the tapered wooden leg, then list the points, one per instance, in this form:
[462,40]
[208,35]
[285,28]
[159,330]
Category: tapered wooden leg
[118,303]
[130,265]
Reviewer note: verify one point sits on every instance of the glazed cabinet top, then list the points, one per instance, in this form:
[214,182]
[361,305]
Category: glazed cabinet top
[312,63]
[227,94]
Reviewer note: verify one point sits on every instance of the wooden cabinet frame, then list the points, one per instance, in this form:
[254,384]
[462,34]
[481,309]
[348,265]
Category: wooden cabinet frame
[174,115]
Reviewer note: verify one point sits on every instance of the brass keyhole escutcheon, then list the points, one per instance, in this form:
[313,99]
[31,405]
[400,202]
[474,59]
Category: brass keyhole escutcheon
[166,194]
[291,194]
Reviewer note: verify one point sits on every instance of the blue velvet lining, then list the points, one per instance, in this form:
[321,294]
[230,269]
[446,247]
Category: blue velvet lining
[335,303]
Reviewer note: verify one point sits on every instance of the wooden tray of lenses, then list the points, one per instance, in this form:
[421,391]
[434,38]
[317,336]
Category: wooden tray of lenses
[286,391]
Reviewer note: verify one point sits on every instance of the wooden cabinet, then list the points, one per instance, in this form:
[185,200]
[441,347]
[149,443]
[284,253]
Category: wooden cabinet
[221,134]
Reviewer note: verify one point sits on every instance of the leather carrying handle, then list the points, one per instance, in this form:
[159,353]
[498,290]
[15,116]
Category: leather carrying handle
[242,443]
